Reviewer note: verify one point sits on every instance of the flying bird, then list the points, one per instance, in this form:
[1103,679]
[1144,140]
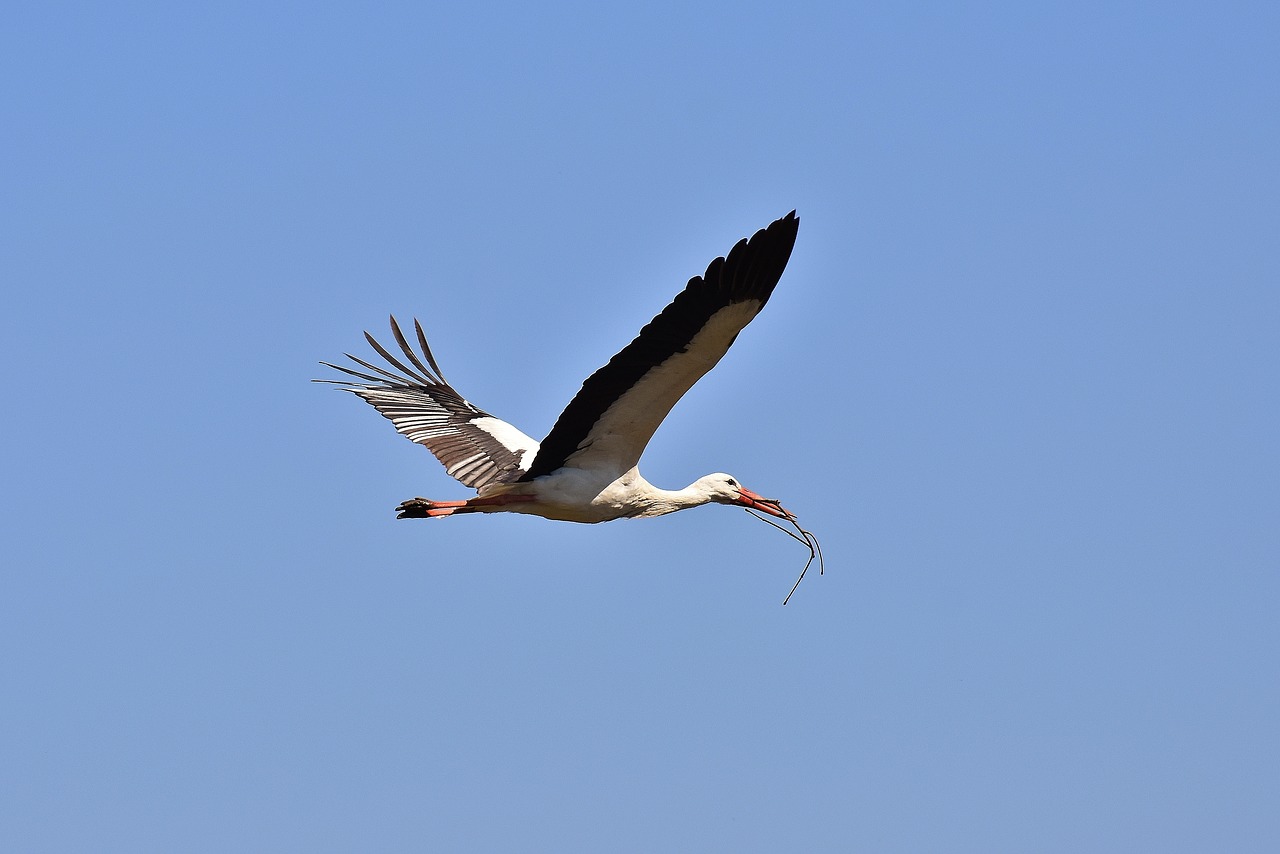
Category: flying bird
[586,469]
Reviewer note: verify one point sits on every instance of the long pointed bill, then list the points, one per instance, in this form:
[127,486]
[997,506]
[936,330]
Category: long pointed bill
[755,501]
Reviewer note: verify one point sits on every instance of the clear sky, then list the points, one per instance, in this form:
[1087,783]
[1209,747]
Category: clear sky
[1021,377]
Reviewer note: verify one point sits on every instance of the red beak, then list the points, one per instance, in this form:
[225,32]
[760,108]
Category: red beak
[755,501]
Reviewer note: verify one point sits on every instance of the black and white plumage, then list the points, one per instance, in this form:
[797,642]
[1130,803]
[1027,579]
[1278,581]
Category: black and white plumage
[585,470]
[473,446]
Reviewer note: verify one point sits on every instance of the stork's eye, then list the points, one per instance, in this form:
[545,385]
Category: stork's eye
[732,482]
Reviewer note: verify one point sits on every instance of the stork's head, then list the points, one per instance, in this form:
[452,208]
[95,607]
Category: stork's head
[724,489]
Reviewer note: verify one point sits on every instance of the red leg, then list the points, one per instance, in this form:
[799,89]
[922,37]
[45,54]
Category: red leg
[425,508]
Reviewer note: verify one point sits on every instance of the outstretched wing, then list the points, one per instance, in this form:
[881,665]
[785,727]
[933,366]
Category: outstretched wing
[609,422]
[474,447]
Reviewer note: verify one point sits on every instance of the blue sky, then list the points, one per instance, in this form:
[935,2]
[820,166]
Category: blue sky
[1020,377]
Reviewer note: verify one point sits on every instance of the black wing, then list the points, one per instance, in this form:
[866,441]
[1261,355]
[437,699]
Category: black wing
[614,415]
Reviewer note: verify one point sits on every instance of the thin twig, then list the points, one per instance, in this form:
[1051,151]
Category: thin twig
[769,521]
[806,537]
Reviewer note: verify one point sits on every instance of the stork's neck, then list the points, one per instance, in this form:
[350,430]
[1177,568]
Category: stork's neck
[652,501]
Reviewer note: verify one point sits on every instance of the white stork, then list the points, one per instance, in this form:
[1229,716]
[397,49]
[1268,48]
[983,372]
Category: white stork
[585,470]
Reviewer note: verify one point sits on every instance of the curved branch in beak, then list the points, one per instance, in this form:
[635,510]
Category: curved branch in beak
[755,501]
